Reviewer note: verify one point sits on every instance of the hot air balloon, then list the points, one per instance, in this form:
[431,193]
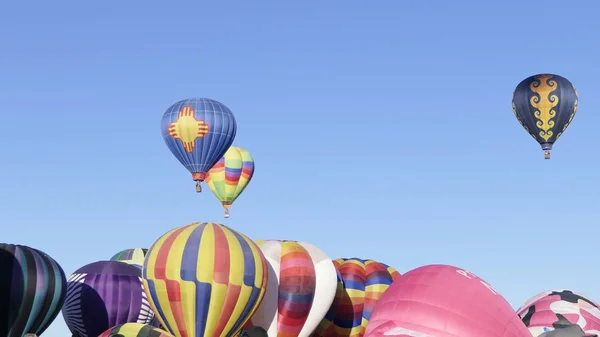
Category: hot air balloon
[198,132]
[545,105]
[443,301]
[302,284]
[104,294]
[134,256]
[553,309]
[230,176]
[204,280]
[135,330]
[360,285]
[32,290]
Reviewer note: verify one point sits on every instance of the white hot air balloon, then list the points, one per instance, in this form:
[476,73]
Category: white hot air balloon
[301,288]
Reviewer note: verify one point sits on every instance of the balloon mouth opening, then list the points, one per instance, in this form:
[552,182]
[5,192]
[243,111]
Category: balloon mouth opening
[546,146]
[198,176]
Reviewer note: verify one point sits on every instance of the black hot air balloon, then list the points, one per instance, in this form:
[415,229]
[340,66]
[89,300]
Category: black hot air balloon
[32,290]
[545,105]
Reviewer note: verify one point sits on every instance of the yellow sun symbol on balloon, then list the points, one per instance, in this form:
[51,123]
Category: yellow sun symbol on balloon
[187,128]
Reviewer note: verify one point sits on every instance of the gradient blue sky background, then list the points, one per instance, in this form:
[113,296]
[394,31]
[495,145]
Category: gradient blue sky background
[380,129]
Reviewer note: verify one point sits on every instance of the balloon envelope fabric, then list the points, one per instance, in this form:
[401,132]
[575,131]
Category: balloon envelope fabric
[104,294]
[302,285]
[32,290]
[135,330]
[204,280]
[545,105]
[560,308]
[230,176]
[198,131]
[134,256]
[443,301]
[361,284]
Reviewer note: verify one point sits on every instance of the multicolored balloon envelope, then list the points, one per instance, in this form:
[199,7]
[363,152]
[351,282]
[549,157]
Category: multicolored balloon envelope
[545,105]
[198,132]
[104,294]
[205,280]
[553,309]
[302,285]
[443,301]
[230,176]
[135,330]
[134,256]
[32,290]
[360,285]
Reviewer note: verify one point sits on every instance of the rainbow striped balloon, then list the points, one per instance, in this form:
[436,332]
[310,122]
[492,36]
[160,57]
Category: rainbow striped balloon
[135,330]
[204,280]
[296,303]
[230,176]
[360,285]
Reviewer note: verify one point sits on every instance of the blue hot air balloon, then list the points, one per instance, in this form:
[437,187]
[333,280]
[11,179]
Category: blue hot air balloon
[198,132]
[545,105]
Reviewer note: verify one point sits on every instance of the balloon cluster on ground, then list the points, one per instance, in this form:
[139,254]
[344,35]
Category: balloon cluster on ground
[209,280]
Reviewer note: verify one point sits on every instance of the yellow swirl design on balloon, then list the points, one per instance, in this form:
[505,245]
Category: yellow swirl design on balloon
[545,102]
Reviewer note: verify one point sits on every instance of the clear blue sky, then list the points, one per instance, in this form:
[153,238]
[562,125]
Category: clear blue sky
[380,129]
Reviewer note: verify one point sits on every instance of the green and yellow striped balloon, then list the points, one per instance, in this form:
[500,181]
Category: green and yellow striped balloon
[230,176]
[133,256]
[135,330]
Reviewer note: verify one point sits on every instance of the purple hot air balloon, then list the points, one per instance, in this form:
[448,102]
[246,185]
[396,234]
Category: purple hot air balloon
[104,294]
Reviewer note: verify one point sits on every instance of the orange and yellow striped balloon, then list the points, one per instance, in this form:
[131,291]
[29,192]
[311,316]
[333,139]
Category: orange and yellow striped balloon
[360,285]
[204,280]
[230,176]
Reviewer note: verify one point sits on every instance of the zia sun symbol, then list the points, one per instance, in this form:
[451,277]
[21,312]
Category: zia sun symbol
[187,129]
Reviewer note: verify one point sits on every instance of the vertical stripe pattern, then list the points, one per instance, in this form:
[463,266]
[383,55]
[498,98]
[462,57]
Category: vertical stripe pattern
[104,294]
[134,256]
[204,280]
[361,284]
[32,290]
[302,284]
[198,132]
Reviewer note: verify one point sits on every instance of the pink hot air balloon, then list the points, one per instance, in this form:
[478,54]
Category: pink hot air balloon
[443,301]
[560,308]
